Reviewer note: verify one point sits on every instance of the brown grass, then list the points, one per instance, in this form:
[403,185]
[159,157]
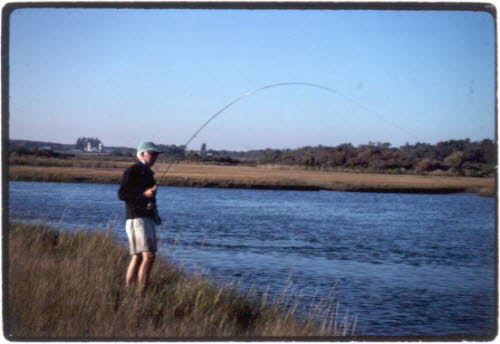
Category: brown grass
[67,162]
[268,177]
[70,285]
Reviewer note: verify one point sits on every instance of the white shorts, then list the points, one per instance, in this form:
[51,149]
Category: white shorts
[141,234]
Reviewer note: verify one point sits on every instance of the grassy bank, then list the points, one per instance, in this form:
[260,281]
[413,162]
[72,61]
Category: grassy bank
[70,285]
[262,177]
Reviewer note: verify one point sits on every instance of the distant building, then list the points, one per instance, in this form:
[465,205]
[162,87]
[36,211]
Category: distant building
[203,150]
[91,149]
[89,144]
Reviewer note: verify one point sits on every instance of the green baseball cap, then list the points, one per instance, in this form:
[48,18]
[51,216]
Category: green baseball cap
[148,146]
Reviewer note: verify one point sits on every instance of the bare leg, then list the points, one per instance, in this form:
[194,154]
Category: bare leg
[133,269]
[148,259]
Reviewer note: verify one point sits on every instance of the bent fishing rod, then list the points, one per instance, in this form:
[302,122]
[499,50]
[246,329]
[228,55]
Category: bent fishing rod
[293,83]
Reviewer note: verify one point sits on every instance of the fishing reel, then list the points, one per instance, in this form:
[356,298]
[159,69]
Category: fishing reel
[152,204]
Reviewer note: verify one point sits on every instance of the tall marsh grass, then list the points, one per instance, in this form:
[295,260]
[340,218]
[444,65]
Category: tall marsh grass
[71,285]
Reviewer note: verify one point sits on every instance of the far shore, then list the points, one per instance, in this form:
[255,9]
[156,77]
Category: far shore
[262,177]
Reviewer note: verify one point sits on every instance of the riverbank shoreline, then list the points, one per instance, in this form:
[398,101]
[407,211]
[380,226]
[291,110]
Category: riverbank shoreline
[65,284]
[265,178]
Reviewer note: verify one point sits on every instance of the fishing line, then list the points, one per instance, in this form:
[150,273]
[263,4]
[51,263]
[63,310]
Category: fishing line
[293,83]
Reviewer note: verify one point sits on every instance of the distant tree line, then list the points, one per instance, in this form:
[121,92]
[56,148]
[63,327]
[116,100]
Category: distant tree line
[37,152]
[173,151]
[18,144]
[453,157]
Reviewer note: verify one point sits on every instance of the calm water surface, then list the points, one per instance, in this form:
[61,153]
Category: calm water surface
[404,264]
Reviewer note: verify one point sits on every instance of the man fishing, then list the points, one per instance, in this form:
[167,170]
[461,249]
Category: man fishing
[138,190]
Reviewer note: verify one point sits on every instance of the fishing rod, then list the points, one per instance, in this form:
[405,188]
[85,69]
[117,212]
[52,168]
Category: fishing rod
[293,83]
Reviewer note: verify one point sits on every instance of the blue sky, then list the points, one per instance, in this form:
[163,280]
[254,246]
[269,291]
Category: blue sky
[126,75]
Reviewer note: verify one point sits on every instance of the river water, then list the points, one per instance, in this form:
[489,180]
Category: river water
[404,264]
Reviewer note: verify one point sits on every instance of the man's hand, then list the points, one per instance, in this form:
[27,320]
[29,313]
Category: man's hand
[151,192]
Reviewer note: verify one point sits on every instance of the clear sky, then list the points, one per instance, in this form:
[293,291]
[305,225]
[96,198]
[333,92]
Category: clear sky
[126,75]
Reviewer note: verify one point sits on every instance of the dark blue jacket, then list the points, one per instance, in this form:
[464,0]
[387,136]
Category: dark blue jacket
[137,179]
